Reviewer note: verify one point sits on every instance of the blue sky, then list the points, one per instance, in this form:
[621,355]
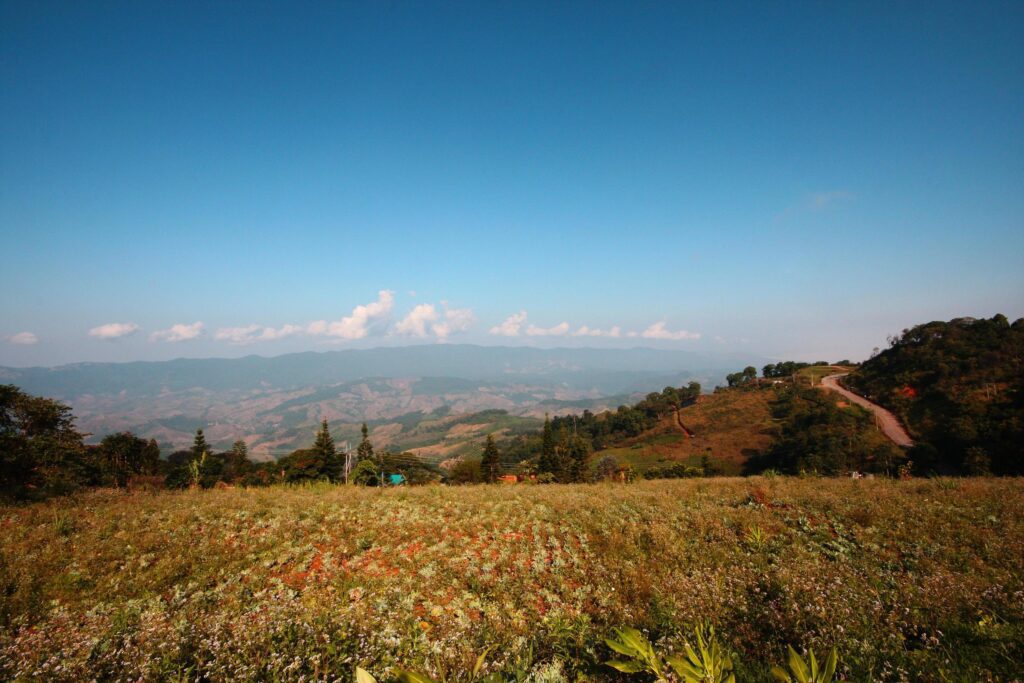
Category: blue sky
[790,179]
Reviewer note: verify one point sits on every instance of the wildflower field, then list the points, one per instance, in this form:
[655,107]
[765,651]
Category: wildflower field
[909,580]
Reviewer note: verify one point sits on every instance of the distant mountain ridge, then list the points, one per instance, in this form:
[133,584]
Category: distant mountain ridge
[462,361]
[275,403]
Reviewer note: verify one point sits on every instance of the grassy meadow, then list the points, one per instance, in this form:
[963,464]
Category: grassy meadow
[910,580]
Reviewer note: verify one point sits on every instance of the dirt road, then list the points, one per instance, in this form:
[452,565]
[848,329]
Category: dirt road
[886,421]
[679,421]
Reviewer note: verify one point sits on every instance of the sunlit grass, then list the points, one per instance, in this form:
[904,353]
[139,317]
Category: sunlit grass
[917,576]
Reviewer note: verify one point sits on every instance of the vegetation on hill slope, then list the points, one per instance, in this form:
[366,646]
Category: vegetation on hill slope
[816,431]
[910,580]
[727,427]
[958,386]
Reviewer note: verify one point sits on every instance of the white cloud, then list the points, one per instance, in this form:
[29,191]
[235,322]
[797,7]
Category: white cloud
[178,333]
[272,333]
[113,330]
[510,326]
[585,331]
[632,334]
[559,330]
[357,325]
[455,320]
[237,335]
[658,331]
[23,339]
[425,320]
[417,322]
[250,334]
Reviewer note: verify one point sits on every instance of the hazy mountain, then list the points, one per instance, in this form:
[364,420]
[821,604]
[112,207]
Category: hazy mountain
[274,403]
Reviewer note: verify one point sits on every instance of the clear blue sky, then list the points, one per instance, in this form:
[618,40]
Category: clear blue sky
[792,179]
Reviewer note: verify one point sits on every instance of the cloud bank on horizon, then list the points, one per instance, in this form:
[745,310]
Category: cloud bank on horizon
[428,321]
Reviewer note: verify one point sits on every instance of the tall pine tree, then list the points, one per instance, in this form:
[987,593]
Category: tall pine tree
[577,452]
[199,445]
[490,463]
[327,453]
[548,462]
[365,450]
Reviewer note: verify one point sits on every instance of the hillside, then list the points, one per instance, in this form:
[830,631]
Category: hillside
[728,426]
[958,386]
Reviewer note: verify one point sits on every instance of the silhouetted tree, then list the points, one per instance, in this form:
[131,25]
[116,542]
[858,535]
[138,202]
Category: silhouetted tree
[325,448]
[490,462]
[548,462]
[365,449]
[199,445]
[41,452]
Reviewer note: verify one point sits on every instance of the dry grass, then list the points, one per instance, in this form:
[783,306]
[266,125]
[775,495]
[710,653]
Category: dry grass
[732,424]
[915,580]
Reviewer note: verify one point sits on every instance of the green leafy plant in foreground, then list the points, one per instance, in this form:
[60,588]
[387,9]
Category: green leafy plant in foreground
[809,671]
[642,657]
[707,663]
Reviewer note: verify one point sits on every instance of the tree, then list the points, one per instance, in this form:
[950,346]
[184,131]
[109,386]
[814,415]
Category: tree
[364,473]
[745,376]
[548,463]
[199,446]
[466,471]
[236,462]
[365,449]
[41,452]
[577,459]
[304,464]
[123,454]
[606,468]
[490,465]
[324,447]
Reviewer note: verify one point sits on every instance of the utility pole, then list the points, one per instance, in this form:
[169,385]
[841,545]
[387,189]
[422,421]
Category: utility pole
[348,461]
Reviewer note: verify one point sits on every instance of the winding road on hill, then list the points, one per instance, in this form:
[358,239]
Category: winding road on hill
[886,421]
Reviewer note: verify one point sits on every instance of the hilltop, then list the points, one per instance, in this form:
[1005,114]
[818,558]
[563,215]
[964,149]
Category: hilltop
[958,387]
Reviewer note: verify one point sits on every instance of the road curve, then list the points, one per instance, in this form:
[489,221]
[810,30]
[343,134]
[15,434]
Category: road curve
[886,421]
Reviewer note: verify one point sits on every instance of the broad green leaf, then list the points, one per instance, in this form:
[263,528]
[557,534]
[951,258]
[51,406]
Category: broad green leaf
[797,666]
[634,639]
[621,648]
[413,677]
[830,666]
[630,667]
[480,661]
[364,676]
[781,675]
[683,667]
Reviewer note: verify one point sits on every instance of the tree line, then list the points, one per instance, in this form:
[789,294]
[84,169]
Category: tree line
[43,454]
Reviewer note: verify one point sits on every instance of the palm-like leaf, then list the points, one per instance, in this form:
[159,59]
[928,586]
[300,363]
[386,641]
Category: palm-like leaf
[364,676]
[809,671]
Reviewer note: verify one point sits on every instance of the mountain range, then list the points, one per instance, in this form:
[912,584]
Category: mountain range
[275,403]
